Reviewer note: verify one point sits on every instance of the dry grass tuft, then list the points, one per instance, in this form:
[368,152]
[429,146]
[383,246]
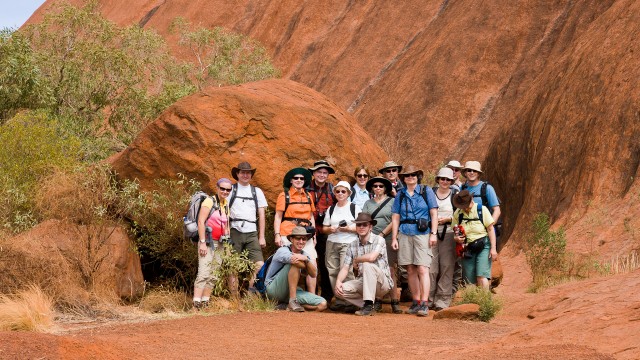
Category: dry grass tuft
[30,310]
[161,299]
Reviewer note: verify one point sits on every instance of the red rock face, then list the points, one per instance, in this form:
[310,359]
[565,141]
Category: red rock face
[275,125]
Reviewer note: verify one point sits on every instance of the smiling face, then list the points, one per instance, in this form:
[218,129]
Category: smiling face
[444,183]
[244,177]
[411,179]
[297,181]
[341,193]
[320,176]
[471,175]
[363,228]
[391,174]
[362,177]
[378,188]
[223,190]
[297,242]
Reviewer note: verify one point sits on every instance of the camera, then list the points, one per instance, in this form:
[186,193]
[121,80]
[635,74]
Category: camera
[225,239]
[342,223]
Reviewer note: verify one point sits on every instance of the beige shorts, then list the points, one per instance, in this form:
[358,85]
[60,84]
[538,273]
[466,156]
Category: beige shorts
[414,250]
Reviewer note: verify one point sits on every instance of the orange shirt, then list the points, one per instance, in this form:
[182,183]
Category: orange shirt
[301,211]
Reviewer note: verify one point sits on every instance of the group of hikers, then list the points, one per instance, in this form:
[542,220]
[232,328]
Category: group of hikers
[363,241]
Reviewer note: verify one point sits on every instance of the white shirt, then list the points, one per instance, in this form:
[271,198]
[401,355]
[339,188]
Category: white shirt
[246,208]
[341,213]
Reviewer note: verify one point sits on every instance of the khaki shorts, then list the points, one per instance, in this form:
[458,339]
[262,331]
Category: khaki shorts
[414,250]
[247,241]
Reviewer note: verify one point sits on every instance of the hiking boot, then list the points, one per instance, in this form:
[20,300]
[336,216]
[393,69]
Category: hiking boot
[295,306]
[395,307]
[204,304]
[423,310]
[197,305]
[413,309]
[367,310]
[377,305]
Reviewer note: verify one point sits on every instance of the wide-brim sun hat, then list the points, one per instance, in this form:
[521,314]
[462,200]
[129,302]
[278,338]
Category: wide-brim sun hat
[411,169]
[454,164]
[388,165]
[379,179]
[286,182]
[322,164]
[343,184]
[364,217]
[473,165]
[300,231]
[242,166]
[462,199]
[446,173]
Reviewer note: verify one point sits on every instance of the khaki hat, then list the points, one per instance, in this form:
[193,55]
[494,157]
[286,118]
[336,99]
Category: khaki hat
[300,231]
[462,199]
[454,164]
[446,173]
[343,184]
[364,217]
[473,165]
[411,169]
[390,164]
[242,166]
[322,164]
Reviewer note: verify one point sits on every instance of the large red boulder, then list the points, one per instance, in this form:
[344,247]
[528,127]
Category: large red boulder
[273,124]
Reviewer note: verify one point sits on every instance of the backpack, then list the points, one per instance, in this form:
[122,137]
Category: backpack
[485,201]
[190,220]
[352,207]
[261,276]
[475,246]
[287,201]
[234,192]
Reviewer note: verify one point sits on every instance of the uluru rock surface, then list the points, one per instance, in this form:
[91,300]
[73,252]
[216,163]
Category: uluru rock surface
[273,124]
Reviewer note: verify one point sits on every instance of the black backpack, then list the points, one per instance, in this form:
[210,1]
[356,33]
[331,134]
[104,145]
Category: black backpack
[352,207]
[485,201]
[253,196]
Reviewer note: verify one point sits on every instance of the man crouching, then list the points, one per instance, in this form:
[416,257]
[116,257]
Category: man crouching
[284,273]
[368,256]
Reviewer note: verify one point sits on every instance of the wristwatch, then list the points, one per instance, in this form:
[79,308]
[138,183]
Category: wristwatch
[203,241]
[434,233]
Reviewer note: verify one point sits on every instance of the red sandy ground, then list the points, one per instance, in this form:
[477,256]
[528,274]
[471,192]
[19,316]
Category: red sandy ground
[284,335]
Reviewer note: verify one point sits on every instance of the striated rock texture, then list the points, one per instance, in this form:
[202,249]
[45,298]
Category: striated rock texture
[275,125]
[68,260]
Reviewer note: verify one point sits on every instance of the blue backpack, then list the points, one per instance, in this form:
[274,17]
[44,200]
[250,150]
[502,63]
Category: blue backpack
[261,277]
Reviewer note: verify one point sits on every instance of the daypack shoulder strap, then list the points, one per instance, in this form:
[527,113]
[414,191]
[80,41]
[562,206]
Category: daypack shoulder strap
[352,207]
[234,193]
[353,193]
[287,200]
[377,210]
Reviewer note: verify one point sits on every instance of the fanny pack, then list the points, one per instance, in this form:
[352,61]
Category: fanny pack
[475,247]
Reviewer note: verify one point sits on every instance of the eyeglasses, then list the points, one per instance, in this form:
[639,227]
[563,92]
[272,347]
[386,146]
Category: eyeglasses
[411,175]
[388,171]
[298,178]
[362,176]
[225,189]
[377,186]
[362,224]
[456,170]
[471,171]
[298,237]
[340,191]
[445,179]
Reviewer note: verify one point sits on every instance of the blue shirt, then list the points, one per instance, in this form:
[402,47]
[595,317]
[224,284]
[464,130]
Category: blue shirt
[492,198]
[281,258]
[413,208]
[360,196]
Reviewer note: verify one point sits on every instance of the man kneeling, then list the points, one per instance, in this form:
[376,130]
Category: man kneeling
[284,272]
[368,256]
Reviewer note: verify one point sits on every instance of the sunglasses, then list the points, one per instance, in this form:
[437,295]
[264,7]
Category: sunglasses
[445,179]
[298,238]
[411,175]
[377,186]
[456,170]
[225,189]
[362,176]
[362,224]
[388,171]
[471,171]
[298,178]
[340,191]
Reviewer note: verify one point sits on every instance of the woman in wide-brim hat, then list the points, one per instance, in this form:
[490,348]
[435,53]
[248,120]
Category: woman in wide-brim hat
[380,208]
[411,170]
[298,212]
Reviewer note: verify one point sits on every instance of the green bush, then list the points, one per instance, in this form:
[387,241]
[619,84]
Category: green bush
[32,148]
[233,265]
[489,304]
[545,251]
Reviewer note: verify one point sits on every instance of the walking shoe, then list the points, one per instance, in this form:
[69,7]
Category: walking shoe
[204,304]
[377,305]
[295,306]
[395,307]
[197,305]
[366,310]
[414,308]
[423,310]
[281,306]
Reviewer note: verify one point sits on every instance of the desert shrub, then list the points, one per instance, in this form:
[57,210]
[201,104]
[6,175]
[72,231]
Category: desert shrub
[29,310]
[489,304]
[165,299]
[234,266]
[545,251]
[32,148]
[155,219]
[222,57]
